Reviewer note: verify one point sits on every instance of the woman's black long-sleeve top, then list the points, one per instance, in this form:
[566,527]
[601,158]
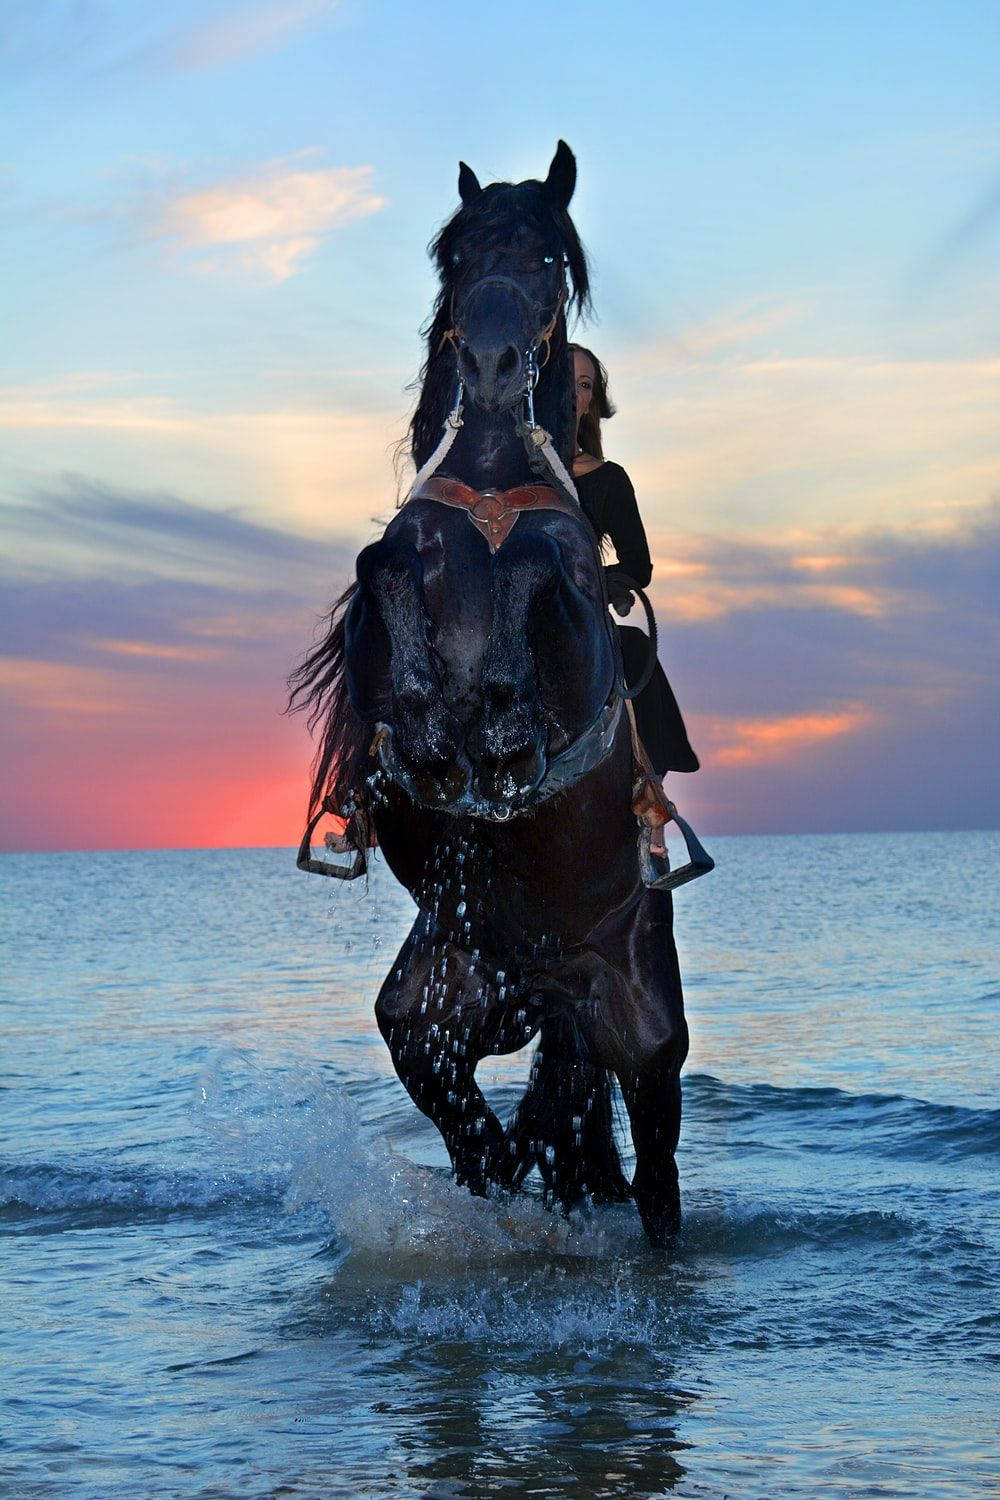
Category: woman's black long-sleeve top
[608,501]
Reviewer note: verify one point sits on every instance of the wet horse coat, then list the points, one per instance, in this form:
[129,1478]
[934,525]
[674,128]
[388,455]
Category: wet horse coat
[457,678]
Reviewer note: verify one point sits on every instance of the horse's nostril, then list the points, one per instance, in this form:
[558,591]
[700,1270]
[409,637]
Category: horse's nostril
[507,362]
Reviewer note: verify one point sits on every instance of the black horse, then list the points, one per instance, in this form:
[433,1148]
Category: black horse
[469,692]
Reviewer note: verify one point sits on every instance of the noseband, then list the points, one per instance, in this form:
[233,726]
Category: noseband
[455,335]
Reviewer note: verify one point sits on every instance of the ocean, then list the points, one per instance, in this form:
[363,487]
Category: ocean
[235,1265]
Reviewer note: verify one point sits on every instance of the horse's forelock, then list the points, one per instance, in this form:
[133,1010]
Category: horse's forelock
[492,216]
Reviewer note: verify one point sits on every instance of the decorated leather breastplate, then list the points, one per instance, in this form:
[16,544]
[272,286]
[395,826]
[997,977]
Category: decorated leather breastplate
[493,512]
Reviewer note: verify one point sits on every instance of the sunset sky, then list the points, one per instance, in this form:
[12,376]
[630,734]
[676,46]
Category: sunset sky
[213,281]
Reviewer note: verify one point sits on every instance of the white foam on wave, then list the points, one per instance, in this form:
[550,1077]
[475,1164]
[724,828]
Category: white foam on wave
[546,1310]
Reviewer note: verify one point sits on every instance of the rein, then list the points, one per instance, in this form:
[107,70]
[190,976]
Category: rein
[620,576]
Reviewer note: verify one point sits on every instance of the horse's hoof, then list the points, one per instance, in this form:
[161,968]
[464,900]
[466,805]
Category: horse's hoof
[661,1219]
[508,781]
[441,788]
[474,1180]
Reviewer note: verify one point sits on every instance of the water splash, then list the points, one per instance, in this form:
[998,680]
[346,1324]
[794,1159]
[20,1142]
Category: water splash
[310,1134]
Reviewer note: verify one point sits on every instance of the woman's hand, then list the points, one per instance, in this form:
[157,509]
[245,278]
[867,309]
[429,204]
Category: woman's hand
[620,595]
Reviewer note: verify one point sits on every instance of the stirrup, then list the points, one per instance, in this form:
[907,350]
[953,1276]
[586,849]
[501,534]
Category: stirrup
[656,872]
[305,860]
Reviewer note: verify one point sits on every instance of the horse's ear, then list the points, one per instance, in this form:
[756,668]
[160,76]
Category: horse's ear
[468,184]
[562,176]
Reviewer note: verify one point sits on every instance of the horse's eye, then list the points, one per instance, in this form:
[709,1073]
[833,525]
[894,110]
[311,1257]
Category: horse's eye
[549,260]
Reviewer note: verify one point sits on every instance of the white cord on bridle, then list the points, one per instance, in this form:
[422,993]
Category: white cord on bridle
[542,442]
[536,440]
[452,423]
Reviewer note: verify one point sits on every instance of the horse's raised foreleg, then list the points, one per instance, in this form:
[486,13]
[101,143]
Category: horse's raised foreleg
[548,666]
[390,607]
[439,1017]
[512,735]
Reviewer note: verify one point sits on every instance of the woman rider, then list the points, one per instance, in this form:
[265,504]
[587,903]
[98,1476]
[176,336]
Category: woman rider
[608,501]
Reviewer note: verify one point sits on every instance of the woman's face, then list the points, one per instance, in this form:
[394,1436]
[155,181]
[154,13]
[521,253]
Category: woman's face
[583,373]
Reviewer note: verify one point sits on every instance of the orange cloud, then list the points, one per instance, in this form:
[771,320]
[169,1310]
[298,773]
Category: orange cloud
[64,692]
[717,598]
[820,564]
[160,652]
[751,741]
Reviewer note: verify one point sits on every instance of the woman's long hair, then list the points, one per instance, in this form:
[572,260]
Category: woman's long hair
[588,434]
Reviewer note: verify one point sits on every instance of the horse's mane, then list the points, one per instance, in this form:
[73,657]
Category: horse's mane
[319,686]
[496,212]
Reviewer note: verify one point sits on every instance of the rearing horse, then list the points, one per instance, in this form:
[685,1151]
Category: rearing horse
[469,692]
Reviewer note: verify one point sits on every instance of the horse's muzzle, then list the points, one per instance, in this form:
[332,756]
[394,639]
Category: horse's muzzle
[493,377]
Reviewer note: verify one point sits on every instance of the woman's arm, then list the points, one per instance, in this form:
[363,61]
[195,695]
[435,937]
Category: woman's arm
[623,526]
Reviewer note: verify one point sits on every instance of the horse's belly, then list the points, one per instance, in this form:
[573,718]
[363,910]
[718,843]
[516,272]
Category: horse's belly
[525,889]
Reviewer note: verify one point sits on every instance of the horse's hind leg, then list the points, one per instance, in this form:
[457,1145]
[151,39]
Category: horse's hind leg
[653,1101]
[634,1019]
[438,1018]
[565,1123]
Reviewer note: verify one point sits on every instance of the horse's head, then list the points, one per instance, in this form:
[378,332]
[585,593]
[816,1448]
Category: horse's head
[503,259]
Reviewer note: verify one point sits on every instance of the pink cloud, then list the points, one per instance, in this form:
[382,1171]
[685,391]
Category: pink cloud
[269,221]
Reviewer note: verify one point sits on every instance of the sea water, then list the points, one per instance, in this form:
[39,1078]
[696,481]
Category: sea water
[235,1264]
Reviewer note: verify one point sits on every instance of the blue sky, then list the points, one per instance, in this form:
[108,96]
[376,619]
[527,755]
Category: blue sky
[215,275]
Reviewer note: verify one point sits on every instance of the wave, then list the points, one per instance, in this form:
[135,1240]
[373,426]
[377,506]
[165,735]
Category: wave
[834,1121]
[296,1146]
[111,1193]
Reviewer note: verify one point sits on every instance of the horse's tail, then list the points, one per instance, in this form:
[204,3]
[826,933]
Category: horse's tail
[319,685]
[565,1122]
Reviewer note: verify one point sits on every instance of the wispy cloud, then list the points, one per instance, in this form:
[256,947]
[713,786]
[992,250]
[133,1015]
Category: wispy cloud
[92,37]
[317,466]
[82,529]
[746,323]
[973,231]
[741,444]
[158,650]
[57,691]
[239,31]
[266,223]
